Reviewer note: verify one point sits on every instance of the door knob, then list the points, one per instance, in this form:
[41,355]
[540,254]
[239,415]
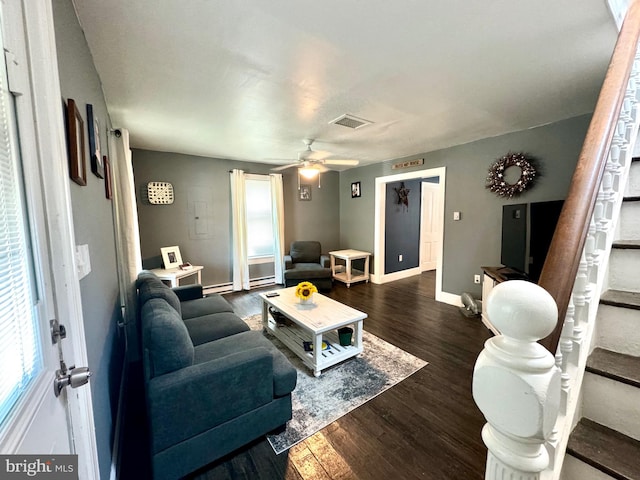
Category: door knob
[74,377]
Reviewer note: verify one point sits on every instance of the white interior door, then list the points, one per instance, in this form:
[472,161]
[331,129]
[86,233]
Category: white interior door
[34,169]
[430,226]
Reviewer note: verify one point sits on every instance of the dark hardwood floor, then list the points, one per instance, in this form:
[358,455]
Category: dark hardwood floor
[425,427]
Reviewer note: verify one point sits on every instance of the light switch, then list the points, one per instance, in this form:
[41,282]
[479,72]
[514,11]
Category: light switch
[456,215]
[83,262]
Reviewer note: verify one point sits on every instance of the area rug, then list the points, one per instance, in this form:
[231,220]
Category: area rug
[317,402]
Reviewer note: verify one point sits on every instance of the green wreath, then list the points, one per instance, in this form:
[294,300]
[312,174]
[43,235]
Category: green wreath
[496,181]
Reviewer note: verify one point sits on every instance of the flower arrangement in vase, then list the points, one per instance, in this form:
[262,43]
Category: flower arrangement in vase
[305,291]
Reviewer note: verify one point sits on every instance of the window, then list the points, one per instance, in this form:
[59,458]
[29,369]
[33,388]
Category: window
[259,218]
[20,354]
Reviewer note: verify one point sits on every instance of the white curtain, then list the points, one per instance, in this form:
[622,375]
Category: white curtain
[277,209]
[125,214]
[239,231]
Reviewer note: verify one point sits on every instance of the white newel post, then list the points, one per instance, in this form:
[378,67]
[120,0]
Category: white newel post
[516,383]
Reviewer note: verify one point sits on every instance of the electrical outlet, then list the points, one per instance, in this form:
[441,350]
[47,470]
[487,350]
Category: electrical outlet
[476,279]
[399,258]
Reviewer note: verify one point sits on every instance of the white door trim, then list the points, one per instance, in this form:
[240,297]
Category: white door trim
[379,229]
[52,157]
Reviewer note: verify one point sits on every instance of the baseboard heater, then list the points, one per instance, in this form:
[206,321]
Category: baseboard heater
[228,287]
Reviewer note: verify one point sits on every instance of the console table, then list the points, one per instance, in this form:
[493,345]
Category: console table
[346,273]
[173,275]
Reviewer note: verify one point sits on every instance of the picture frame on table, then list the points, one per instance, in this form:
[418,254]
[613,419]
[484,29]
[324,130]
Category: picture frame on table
[171,257]
[356,191]
[97,165]
[75,140]
[305,193]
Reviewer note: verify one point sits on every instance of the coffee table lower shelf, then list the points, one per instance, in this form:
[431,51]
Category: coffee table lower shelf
[293,337]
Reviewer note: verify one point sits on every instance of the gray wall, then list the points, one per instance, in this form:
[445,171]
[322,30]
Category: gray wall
[474,241]
[92,217]
[207,179]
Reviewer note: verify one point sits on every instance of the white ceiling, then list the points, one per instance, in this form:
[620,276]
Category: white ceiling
[249,79]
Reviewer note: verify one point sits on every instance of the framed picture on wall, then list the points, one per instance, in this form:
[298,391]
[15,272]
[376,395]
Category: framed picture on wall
[355,190]
[97,166]
[75,140]
[171,257]
[305,192]
[108,192]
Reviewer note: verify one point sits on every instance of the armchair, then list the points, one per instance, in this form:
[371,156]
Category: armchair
[305,262]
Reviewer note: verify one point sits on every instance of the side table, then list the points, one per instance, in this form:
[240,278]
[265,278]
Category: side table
[173,275]
[346,273]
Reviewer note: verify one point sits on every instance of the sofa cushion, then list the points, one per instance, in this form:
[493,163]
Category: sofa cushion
[307,271]
[212,303]
[212,327]
[305,252]
[285,376]
[167,344]
[146,276]
[150,288]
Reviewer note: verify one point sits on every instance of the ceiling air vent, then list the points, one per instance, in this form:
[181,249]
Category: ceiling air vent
[350,121]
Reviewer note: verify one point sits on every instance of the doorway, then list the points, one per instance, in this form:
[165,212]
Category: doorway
[379,228]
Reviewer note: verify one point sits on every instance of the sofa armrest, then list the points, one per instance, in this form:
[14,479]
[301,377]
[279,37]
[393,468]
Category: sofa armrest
[325,261]
[288,262]
[195,399]
[188,292]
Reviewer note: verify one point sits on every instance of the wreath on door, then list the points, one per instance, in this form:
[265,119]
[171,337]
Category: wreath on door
[496,181]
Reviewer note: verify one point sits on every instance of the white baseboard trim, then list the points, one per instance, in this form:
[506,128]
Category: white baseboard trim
[228,287]
[391,277]
[450,298]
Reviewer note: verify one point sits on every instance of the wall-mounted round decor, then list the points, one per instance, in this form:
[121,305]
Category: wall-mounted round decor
[498,184]
[160,193]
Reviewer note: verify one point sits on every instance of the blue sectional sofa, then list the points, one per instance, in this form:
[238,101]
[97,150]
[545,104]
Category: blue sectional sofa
[211,384]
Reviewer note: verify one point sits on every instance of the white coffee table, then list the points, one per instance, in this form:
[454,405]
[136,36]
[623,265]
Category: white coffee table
[314,323]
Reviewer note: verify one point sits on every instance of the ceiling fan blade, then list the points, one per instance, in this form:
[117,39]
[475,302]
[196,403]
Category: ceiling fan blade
[341,162]
[284,167]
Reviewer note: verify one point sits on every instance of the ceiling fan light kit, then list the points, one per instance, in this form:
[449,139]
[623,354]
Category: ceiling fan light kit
[308,172]
[314,162]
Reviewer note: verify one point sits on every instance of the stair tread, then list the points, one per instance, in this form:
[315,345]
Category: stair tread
[620,298]
[630,244]
[605,449]
[617,366]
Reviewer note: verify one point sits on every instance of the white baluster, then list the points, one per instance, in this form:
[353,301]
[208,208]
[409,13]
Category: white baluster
[516,384]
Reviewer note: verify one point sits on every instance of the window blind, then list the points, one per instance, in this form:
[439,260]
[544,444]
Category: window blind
[20,353]
[259,219]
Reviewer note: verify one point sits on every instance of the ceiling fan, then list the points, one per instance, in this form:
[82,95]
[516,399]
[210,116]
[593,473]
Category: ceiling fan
[312,162]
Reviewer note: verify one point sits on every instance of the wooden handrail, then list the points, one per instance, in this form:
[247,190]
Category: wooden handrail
[562,262]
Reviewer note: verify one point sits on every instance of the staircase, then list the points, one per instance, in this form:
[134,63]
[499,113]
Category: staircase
[605,443]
